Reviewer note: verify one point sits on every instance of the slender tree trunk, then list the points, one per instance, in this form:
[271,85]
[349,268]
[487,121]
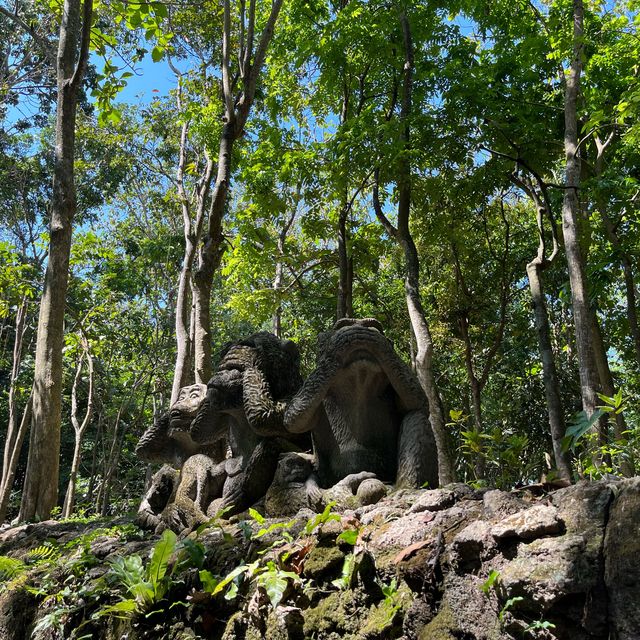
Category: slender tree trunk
[549,372]
[424,363]
[237,106]
[424,342]
[402,234]
[570,208]
[278,280]
[13,443]
[79,428]
[276,322]
[40,493]
[182,375]
[94,460]
[609,389]
[345,265]
[185,329]
[476,393]
[10,469]
[209,258]
[109,466]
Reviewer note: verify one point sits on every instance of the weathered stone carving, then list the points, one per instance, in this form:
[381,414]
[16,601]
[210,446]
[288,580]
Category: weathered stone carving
[366,412]
[244,405]
[169,441]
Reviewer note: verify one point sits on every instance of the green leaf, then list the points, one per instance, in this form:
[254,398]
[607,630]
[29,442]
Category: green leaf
[350,536]
[10,568]
[157,53]
[208,580]
[160,557]
[258,517]
[348,571]
[321,518]
[122,609]
[488,583]
[579,427]
[275,584]
[160,10]
[238,571]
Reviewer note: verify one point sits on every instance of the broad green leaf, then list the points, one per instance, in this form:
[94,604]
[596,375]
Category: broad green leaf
[161,556]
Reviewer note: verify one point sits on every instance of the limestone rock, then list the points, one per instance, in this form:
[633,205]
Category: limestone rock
[416,575]
[537,521]
[434,500]
[498,504]
[473,544]
[622,561]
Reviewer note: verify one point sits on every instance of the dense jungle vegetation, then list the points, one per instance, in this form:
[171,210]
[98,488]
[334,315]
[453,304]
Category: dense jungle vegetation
[465,171]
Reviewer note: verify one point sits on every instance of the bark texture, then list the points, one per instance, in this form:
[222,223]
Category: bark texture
[40,493]
[589,382]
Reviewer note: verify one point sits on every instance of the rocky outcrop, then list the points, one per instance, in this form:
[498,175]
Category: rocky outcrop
[447,564]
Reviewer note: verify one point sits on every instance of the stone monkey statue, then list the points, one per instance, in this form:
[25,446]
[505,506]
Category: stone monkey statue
[168,441]
[365,410]
[244,403]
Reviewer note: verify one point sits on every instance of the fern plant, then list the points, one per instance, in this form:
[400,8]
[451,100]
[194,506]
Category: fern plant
[44,553]
[145,586]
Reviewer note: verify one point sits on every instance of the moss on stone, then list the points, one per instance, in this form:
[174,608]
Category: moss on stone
[336,612]
[322,561]
[440,628]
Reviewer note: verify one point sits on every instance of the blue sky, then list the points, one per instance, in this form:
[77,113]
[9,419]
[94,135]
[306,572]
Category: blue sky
[152,79]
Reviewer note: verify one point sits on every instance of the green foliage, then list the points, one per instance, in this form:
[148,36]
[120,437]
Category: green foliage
[275,582]
[45,552]
[488,584]
[348,573]
[349,536]
[146,585]
[579,427]
[10,568]
[321,518]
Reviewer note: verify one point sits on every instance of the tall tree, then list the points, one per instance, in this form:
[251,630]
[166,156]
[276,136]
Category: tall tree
[402,234]
[589,381]
[238,93]
[40,492]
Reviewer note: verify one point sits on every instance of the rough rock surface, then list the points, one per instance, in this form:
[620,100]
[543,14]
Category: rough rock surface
[445,564]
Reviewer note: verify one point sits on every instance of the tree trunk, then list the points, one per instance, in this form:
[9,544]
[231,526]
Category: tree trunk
[78,427]
[40,493]
[549,373]
[608,388]
[278,280]
[9,472]
[476,392]
[182,374]
[417,317]
[209,258]
[570,208]
[345,266]
[15,434]
[424,363]
[236,111]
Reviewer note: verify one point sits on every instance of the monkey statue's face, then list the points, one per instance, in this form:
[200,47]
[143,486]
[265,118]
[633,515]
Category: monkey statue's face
[184,410]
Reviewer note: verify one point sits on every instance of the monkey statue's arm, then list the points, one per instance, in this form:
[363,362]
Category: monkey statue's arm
[155,444]
[304,410]
[264,414]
